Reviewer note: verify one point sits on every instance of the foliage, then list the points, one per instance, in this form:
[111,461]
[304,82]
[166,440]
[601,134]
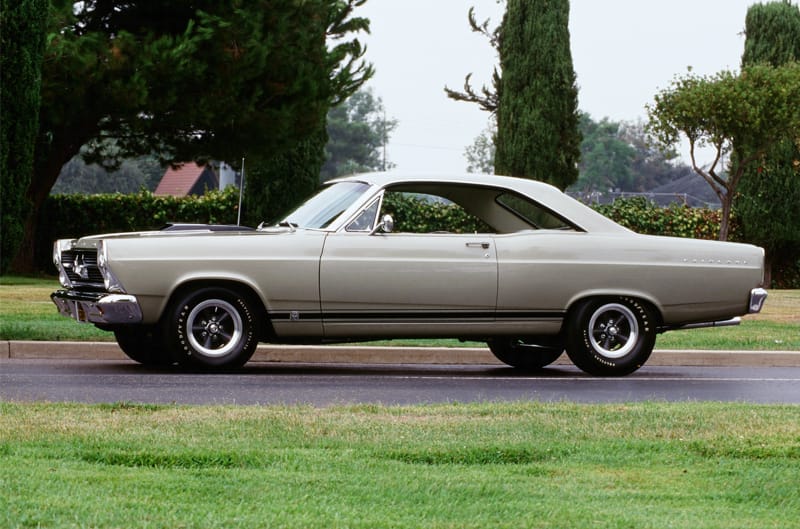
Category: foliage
[606,159]
[769,191]
[488,98]
[756,108]
[651,166]
[535,99]
[274,185]
[65,216]
[357,131]
[22,42]
[132,175]
[614,155]
[416,215]
[191,79]
[643,216]
[773,33]
[480,155]
[537,115]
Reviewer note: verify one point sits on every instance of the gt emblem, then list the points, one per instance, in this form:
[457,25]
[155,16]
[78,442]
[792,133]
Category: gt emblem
[294,315]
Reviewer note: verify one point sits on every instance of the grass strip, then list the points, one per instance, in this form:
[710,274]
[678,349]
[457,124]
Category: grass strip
[541,465]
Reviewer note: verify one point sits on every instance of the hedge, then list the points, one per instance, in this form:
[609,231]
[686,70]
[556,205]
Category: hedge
[72,216]
[676,220]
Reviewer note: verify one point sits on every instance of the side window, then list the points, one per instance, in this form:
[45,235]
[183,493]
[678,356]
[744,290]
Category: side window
[429,213]
[366,219]
[532,213]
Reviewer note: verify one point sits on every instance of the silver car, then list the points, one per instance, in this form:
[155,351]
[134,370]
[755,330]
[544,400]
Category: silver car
[509,261]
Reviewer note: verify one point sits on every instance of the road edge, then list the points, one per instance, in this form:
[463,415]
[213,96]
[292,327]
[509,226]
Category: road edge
[349,354]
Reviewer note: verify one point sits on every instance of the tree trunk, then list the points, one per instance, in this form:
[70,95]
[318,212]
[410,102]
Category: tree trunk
[725,220]
[46,174]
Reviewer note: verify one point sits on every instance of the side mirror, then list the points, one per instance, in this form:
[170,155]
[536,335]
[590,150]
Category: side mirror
[386,225]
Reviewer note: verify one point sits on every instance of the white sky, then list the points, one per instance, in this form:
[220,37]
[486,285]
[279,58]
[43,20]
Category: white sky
[623,52]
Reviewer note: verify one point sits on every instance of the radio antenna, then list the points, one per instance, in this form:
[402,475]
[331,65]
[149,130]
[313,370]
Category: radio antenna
[241,192]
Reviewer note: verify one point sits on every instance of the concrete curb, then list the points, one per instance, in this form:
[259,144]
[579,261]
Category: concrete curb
[331,354]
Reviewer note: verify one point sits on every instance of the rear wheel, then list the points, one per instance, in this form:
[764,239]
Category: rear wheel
[144,344]
[212,327]
[611,336]
[524,354]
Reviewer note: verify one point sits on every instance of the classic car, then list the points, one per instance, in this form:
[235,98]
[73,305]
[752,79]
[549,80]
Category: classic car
[512,262]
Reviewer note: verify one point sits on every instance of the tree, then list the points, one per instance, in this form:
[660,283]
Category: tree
[488,98]
[535,98]
[480,155]
[537,115]
[651,166]
[606,159]
[133,175]
[757,108]
[190,79]
[281,179]
[769,192]
[22,41]
[358,131]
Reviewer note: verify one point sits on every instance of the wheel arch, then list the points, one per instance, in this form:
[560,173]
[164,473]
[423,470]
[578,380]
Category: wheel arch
[583,297]
[244,289]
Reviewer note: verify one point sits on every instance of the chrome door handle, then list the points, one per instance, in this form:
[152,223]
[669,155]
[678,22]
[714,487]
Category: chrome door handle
[484,245]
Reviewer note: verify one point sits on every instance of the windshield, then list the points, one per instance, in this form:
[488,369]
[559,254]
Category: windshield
[323,208]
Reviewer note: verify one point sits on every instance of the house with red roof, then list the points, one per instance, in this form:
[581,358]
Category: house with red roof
[187,179]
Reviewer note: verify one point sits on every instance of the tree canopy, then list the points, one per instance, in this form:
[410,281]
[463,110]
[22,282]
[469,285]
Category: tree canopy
[534,96]
[357,132]
[769,192]
[22,42]
[757,107]
[537,113]
[191,79]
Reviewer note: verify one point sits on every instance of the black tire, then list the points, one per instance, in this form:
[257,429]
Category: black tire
[611,336]
[524,354]
[144,344]
[212,328]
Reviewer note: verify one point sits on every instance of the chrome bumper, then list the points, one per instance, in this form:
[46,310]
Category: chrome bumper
[97,307]
[757,298]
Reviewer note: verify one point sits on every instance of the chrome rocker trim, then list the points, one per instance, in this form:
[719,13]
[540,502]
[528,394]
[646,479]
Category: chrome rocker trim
[97,307]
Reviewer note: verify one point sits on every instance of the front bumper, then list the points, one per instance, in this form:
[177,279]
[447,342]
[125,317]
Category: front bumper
[97,307]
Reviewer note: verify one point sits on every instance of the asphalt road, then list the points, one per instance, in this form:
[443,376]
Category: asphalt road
[93,381]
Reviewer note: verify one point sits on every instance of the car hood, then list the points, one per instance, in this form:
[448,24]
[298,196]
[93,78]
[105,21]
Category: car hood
[92,240]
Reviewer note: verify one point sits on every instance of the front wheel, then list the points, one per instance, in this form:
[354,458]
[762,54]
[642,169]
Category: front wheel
[143,344]
[212,327]
[524,354]
[611,336]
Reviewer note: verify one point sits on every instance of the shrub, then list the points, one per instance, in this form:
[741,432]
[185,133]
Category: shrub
[71,216]
[676,220]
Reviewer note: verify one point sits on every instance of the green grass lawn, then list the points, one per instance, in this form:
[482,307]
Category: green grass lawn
[26,313]
[644,465]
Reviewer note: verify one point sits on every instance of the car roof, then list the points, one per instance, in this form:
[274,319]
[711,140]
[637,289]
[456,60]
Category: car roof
[546,194]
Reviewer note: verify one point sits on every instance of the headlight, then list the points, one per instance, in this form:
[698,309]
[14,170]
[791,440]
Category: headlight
[111,282]
[59,247]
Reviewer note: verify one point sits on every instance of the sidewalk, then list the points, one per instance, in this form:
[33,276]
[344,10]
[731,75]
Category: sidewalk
[354,354]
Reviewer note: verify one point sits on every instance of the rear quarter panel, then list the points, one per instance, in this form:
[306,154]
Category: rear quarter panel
[687,280]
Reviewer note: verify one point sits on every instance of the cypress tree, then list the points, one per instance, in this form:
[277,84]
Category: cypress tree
[21,52]
[537,115]
[769,193]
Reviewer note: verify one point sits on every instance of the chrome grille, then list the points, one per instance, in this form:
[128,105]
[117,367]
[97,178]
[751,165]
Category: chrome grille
[81,268]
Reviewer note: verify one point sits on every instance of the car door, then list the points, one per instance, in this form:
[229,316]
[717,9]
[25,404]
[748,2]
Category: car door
[407,284]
